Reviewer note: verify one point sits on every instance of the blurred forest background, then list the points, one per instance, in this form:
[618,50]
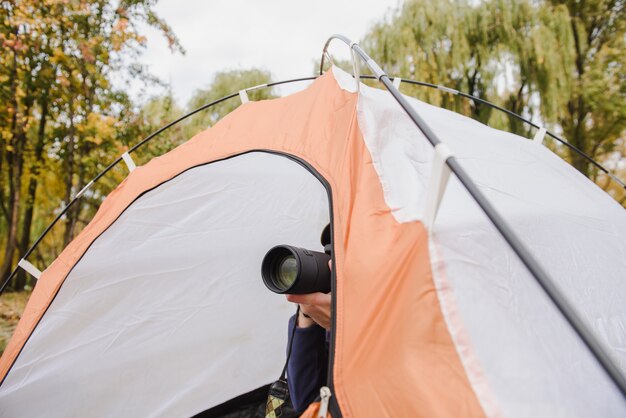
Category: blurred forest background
[65,111]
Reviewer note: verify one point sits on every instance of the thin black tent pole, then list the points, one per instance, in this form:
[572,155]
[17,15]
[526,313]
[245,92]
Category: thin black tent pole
[208,105]
[513,114]
[118,159]
[543,279]
[508,112]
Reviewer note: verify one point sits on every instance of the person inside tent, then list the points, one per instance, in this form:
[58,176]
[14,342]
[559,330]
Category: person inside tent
[307,365]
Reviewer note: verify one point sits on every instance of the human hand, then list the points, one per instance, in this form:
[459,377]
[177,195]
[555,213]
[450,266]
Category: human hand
[316,305]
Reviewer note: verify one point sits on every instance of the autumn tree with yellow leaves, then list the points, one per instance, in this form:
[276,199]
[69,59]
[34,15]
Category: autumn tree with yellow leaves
[61,118]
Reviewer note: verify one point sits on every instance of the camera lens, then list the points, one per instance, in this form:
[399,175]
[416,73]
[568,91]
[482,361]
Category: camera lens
[294,270]
[287,272]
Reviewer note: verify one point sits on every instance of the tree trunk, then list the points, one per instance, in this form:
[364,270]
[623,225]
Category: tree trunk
[575,134]
[69,179]
[14,210]
[515,104]
[576,105]
[73,213]
[22,278]
[579,162]
[15,175]
[3,207]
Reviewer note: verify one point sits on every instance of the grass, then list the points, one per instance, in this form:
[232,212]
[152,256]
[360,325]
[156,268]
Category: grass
[12,305]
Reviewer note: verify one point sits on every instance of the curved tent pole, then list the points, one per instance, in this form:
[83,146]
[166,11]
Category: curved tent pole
[134,148]
[537,271]
[325,55]
[492,105]
[515,115]
[208,105]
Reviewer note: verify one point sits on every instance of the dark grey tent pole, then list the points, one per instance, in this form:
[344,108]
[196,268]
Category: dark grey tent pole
[547,284]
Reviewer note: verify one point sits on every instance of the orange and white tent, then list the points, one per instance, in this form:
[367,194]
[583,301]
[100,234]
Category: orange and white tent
[158,309]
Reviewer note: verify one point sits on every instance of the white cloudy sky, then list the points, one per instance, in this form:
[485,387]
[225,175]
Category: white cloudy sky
[282,36]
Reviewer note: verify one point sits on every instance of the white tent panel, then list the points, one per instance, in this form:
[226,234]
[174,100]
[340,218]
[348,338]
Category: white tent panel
[169,300]
[505,326]
[522,358]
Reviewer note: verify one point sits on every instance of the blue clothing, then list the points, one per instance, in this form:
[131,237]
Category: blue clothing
[308,364]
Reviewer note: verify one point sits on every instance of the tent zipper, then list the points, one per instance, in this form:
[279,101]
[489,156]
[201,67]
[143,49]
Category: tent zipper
[324,399]
[333,405]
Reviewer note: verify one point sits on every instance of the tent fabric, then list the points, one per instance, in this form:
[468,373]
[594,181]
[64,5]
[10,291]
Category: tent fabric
[319,126]
[494,305]
[439,323]
[153,298]
[264,125]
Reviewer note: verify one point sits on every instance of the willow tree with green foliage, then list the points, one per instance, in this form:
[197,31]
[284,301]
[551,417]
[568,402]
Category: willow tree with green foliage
[60,113]
[594,115]
[560,63]
[445,43]
[161,110]
[223,84]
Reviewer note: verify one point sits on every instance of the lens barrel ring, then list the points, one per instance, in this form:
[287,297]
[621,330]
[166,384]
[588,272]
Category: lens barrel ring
[271,265]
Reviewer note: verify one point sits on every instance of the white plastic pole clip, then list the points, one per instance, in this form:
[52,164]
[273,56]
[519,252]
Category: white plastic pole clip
[243,95]
[329,58]
[437,185]
[541,133]
[396,82]
[84,189]
[356,67]
[129,161]
[448,90]
[28,267]
[258,86]
[324,401]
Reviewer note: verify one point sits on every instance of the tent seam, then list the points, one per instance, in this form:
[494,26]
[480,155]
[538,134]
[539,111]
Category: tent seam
[474,372]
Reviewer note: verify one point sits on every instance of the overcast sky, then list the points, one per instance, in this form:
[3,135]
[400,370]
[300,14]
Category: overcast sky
[282,36]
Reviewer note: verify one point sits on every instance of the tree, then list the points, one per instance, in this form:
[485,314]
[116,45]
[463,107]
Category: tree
[561,63]
[447,43]
[156,113]
[60,109]
[594,115]
[225,83]
[161,110]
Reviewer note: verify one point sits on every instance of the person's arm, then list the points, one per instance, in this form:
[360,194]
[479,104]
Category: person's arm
[307,365]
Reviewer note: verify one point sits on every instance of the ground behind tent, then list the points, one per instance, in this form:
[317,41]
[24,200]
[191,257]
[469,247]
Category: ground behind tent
[12,305]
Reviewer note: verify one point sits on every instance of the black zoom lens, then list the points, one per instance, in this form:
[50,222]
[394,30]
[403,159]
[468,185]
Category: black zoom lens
[294,270]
